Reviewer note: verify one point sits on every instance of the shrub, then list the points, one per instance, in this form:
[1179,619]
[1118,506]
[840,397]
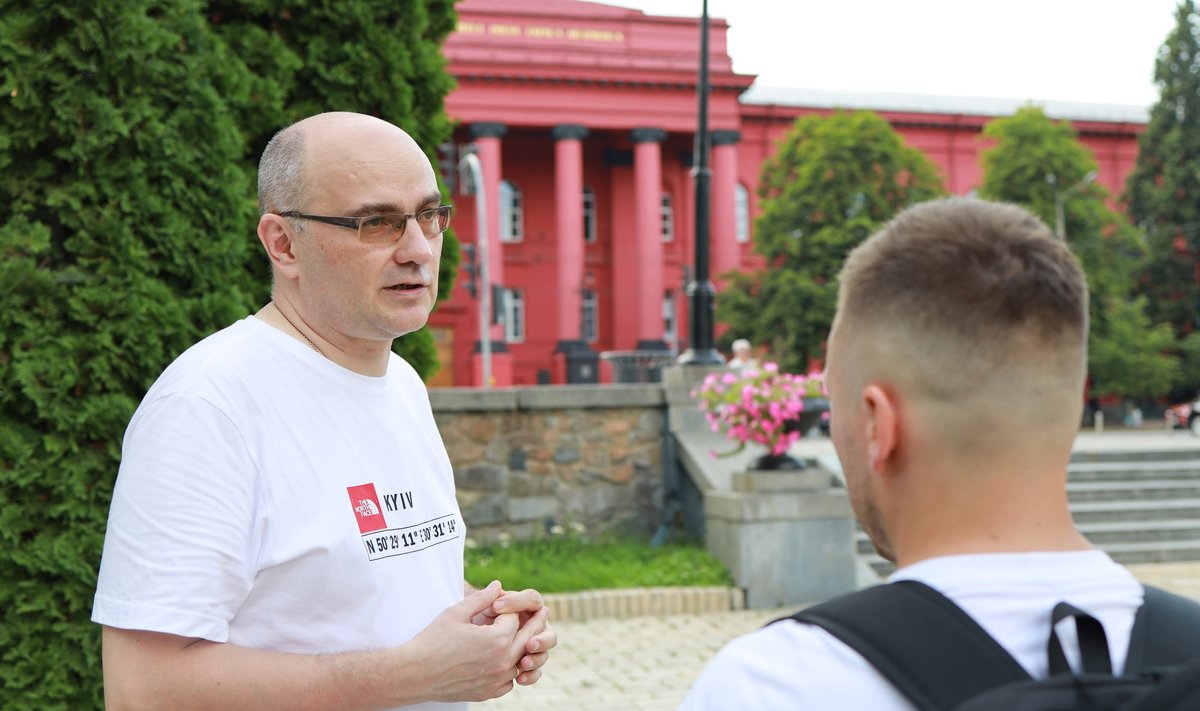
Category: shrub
[129,136]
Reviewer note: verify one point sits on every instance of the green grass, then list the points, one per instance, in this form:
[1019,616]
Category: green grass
[566,563]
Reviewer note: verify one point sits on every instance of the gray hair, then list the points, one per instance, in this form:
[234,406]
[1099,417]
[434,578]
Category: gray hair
[281,180]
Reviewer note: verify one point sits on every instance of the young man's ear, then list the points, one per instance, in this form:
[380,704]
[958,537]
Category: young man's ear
[277,239]
[883,427]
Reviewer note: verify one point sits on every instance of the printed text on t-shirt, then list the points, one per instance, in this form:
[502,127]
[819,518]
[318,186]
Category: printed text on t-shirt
[410,539]
[383,541]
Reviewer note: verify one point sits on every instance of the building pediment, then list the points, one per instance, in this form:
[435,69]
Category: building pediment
[586,42]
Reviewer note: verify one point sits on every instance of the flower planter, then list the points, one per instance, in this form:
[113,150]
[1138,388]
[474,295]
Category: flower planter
[777,462]
[814,409]
[763,407]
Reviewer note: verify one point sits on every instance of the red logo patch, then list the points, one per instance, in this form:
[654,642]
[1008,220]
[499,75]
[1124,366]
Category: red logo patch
[367,510]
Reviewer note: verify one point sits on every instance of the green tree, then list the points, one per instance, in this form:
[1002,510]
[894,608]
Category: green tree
[370,56]
[129,136]
[1040,163]
[124,206]
[1162,189]
[1132,356]
[832,181]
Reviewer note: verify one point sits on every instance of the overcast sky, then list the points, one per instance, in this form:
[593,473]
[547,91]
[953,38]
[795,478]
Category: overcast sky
[1096,51]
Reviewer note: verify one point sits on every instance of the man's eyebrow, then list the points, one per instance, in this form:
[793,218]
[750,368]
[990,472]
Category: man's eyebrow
[431,200]
[390,208]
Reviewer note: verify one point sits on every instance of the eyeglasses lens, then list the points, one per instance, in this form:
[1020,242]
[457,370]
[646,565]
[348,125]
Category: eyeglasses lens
[389,228]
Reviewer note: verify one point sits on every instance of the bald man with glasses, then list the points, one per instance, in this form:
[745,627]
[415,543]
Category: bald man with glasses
[284,532]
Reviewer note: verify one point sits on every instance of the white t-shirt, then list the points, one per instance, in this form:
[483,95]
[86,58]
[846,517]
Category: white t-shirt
[788,665]
[269,498]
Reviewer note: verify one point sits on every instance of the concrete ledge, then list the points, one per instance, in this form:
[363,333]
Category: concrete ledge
[644,602]
[590,396]
[811,479]
[472,400]
[556,397]
[689,376]
[777,506]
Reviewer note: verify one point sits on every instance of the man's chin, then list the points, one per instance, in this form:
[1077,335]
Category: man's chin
[404,325]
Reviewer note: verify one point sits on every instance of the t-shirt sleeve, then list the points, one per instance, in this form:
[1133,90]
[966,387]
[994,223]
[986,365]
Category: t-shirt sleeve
[179,553]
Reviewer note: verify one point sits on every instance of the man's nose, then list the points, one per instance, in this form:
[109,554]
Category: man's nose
[413,245]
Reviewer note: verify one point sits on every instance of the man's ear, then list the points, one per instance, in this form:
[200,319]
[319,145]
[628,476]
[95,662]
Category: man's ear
[278,240]
[883,427]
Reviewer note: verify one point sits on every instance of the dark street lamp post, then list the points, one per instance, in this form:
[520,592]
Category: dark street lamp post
[701,292]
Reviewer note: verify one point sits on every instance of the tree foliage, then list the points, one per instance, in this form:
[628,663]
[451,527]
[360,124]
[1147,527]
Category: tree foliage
[832,181]
[1040,163]
[129,134]
[369,56]
[123,227]
[1163,187]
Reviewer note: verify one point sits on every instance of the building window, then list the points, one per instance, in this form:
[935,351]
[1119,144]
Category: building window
[741,212]
[512,217]
[670,322]
[668,218]
[589,316]
[589,214]
[513,309]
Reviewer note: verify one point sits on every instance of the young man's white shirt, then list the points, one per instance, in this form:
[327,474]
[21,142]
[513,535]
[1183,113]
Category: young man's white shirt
[272,499]
[788,665]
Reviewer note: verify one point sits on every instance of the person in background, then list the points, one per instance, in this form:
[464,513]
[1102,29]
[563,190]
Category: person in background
[743,358]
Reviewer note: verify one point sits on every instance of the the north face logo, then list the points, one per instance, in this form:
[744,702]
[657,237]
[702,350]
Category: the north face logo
[365,503]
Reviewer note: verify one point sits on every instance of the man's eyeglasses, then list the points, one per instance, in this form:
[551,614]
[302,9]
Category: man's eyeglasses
[380,229]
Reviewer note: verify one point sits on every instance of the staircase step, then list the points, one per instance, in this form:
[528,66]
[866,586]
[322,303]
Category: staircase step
[1104,532]
[1138,506]
[1101,534]
[1188,451]
[1144,510]
[1143,490]
[1124,553]
[1182,469]
[1153,551]
[862,544]
[882,568]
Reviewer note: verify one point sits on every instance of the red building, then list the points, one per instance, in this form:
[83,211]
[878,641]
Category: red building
[583,117]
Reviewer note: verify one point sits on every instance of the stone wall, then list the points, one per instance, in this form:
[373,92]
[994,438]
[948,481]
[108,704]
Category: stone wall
[526,459]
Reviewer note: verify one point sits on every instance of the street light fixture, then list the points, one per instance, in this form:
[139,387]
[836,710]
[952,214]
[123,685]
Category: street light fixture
[472,170]
[1060,198]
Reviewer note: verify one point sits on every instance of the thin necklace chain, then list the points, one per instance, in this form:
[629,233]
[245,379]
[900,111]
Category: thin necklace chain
[306,338]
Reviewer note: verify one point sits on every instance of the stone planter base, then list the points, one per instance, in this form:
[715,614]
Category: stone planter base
[786,536]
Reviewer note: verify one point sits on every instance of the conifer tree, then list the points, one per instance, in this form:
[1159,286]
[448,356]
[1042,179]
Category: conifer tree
[1162,190]
[832,181]
[124,206]
[371,56]
[1040,163]
[129,136]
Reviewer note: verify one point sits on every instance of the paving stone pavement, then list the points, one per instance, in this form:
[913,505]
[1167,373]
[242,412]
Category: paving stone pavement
[648,663]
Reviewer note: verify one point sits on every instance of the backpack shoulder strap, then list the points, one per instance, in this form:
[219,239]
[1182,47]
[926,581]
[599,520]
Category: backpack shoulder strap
[1166,631]
[923,643]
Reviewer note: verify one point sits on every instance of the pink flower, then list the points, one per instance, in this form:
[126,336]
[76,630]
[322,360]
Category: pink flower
[754,406]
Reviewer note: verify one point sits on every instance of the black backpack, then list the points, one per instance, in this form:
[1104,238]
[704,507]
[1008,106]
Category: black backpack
[940,658]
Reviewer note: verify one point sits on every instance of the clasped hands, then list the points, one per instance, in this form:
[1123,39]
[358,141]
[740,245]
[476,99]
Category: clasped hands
[531,616]
[479,647]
